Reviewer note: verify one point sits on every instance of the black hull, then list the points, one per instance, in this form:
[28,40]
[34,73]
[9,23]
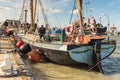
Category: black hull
[101,30]
[56,56]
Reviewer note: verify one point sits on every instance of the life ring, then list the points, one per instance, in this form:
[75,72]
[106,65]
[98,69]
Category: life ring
[89,21]
[93,30]
[69,29]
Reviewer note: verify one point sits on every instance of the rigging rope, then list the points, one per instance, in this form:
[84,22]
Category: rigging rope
[56,14]
[22,11]
[43,13]
[72,12]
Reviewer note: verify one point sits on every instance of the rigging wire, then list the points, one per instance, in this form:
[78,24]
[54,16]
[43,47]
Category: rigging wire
[44,15]
[72,11]
[56,14]
[87,8]
[22,11]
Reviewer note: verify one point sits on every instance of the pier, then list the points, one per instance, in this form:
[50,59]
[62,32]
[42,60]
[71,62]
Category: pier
[21,73]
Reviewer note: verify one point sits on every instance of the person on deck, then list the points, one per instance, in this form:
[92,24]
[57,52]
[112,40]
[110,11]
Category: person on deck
[53,30]
[41,31]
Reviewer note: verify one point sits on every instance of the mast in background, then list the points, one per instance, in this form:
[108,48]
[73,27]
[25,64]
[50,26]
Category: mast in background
[26,16]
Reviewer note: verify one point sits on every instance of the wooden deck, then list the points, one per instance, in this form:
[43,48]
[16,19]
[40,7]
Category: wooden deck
[6,48]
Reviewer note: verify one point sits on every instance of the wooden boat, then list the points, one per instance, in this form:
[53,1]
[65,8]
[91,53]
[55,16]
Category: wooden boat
[90,52]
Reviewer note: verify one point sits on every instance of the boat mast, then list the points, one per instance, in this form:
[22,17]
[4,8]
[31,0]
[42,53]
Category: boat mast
[35,5]
[26,16]
[80,13]
[33,13]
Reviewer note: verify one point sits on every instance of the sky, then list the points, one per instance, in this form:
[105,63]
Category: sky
[59,11]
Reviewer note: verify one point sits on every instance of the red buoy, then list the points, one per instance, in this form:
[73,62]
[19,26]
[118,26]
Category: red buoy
[34,55]
[9,32]
[19,44]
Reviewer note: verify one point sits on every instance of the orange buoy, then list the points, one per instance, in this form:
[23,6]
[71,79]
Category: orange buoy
[34,55]
[19,44]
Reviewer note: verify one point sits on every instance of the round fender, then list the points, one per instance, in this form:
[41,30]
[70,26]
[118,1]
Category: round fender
[19,44]
[34,55]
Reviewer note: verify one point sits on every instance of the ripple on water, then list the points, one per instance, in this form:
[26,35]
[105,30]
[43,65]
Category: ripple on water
[111,65]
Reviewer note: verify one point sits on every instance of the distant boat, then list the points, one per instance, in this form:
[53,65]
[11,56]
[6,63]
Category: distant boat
[94,27]
[73,48]
[100,28]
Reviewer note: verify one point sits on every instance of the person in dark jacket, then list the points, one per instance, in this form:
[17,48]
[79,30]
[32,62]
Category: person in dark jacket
[41,31]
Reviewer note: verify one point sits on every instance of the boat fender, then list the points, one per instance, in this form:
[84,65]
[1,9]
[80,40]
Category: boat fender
[35,55]
[89,21]
[19,44]
[9,32]
[93,30]
[25,48]
[69,29]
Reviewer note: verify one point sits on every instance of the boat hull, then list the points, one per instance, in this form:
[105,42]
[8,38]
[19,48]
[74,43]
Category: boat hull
[73,54]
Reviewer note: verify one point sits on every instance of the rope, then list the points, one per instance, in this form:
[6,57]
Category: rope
[95,66]
[72,12]
[56,14]
[43,13]
[22,11]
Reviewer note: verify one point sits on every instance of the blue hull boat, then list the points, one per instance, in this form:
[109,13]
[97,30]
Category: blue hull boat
[90,54]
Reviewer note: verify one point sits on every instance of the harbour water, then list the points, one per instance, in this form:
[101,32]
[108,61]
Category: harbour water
[50,71]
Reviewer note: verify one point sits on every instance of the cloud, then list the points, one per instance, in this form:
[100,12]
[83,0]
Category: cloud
[5,8]
[62,3]
[50,9]
[3,0]
[17,5]
[56,11]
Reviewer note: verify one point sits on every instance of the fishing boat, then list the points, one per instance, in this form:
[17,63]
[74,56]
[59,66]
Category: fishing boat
[73,48]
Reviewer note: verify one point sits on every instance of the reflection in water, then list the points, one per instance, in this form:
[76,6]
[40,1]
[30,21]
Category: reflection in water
[111,65]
